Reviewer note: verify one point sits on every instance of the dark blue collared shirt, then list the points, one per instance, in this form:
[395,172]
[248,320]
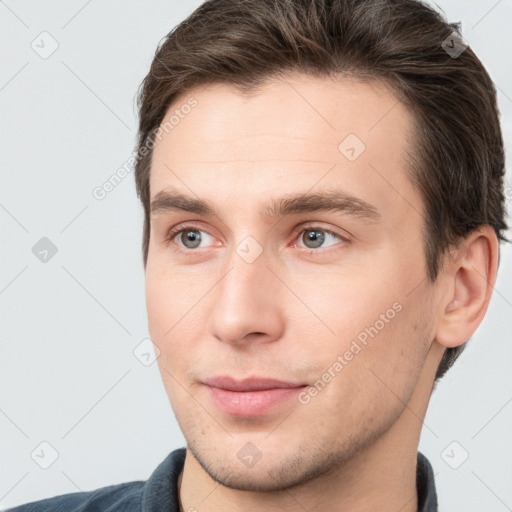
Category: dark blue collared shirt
[160,492]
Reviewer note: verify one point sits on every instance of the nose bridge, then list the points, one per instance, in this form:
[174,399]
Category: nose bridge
[249,277]
[246,299]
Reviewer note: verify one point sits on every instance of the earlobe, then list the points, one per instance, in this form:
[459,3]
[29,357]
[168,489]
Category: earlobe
[471,277]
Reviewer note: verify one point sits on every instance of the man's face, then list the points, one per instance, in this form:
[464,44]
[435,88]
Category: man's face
[335,301]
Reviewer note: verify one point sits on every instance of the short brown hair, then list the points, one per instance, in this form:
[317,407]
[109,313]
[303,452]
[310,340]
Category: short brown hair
[458,156]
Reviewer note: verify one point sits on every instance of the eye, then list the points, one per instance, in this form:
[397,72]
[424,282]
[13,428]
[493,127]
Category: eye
[189,236]
[314,237]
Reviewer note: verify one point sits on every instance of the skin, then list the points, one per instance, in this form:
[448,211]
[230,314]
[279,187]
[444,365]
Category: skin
[290,313]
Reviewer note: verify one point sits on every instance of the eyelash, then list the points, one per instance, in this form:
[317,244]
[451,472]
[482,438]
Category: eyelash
[309,227]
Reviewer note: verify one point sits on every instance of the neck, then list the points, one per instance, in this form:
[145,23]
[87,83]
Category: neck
[380,477]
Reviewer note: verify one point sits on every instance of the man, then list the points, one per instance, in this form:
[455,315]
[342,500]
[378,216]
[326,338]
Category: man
[322,184]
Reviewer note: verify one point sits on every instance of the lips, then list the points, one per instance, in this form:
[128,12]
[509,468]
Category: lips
[249,384]
[253,396]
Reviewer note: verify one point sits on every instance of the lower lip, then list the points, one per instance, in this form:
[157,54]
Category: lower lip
[251,403]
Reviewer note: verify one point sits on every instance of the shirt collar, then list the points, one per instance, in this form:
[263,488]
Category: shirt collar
[425,485]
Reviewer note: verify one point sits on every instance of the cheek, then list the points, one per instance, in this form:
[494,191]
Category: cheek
[373,300]
[380,341]
[394,356]
[349,307]
[170,297]
[375,379]
[175,319]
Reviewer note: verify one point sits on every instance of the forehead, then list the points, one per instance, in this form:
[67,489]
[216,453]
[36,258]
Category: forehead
[287,134]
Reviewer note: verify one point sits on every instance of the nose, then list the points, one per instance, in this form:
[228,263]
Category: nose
[247,307]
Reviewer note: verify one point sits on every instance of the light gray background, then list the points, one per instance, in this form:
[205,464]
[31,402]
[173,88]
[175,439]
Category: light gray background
[68,375]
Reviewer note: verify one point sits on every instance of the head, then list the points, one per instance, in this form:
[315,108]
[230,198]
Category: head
[336,182]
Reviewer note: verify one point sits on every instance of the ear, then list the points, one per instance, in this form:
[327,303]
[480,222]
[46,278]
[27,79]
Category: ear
[470,278]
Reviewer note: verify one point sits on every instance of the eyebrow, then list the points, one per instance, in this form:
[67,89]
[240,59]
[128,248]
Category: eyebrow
[337,200]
